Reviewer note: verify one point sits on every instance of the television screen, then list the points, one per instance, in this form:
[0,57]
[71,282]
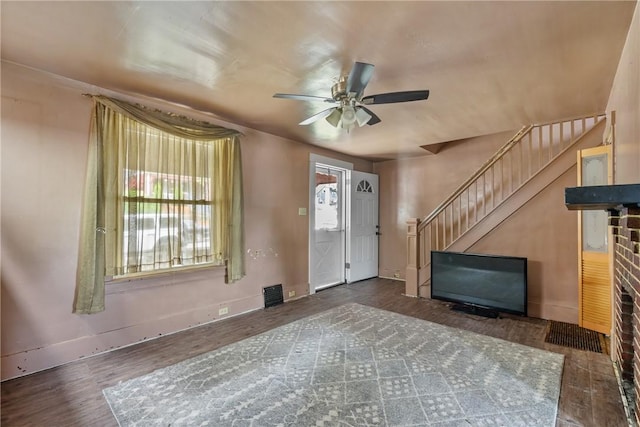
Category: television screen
[490,281]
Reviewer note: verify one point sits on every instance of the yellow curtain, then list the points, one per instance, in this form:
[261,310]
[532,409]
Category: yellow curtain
[119,143]
[89,297]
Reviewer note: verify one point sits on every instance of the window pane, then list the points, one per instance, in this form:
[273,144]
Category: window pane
[161,240]
[594,223]
[327,199]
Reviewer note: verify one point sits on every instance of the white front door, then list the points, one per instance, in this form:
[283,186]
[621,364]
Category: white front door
[363,253]
[327,237]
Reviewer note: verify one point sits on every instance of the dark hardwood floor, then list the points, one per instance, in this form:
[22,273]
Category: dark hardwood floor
[71,395]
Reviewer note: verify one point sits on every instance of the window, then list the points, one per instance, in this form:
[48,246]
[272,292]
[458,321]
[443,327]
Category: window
[364,187]
[165,205]
[163,229]
[162,191]
[327,213]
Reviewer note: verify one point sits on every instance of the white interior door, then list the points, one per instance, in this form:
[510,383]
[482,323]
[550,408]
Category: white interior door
[327,237]
[363,235]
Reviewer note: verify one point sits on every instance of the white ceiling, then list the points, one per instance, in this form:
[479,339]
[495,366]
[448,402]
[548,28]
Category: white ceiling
[489,66]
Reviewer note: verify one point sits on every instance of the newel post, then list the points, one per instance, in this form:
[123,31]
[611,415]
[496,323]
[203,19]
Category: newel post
[413,257]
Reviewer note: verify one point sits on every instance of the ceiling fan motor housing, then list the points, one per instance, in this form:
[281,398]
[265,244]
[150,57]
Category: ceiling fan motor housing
[339,90]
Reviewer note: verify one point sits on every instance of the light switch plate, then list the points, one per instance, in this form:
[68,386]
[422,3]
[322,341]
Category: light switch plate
[302,211]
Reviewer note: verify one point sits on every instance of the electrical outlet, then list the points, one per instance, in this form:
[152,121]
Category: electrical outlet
[396,274]
[292,294]
[222,311]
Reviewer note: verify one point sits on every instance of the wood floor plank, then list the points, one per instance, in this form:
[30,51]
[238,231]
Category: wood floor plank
[71,395]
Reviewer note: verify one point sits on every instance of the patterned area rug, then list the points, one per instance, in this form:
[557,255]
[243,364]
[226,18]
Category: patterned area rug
[350,366]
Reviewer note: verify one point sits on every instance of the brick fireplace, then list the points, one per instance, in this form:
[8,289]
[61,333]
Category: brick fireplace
[625,224]
[623,204]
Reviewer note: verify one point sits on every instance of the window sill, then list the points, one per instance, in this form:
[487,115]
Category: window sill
[144,280]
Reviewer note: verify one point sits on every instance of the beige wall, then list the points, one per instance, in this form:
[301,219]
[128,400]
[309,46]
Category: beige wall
[413,187]
[45,124]
[544,231]
[625,101]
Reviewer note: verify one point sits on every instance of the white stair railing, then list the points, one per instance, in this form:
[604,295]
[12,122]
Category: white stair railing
[523,156]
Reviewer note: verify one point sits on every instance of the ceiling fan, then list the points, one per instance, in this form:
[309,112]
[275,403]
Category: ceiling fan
[348,93]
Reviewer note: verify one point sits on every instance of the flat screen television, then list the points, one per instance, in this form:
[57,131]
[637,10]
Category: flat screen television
[477,281]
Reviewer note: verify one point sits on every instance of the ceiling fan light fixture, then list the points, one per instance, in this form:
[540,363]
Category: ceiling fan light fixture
[348,116]
[347,126]
[362,117]
[334,117]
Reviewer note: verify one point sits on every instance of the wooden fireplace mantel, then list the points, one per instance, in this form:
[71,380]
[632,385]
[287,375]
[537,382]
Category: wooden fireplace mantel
[602,197]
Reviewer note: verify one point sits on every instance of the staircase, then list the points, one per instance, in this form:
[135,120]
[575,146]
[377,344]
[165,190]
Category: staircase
[530,161]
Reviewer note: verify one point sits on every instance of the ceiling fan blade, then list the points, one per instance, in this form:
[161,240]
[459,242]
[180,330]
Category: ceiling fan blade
[359,78]
[374,119]
[304,97]
[318,116]
[392,97]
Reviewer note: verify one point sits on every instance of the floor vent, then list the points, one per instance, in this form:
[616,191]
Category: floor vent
[272,295]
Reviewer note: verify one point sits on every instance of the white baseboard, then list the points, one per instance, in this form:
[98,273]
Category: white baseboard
[398,279]
[58,354]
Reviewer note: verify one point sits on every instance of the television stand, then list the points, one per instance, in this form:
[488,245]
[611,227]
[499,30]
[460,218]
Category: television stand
[474,309]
